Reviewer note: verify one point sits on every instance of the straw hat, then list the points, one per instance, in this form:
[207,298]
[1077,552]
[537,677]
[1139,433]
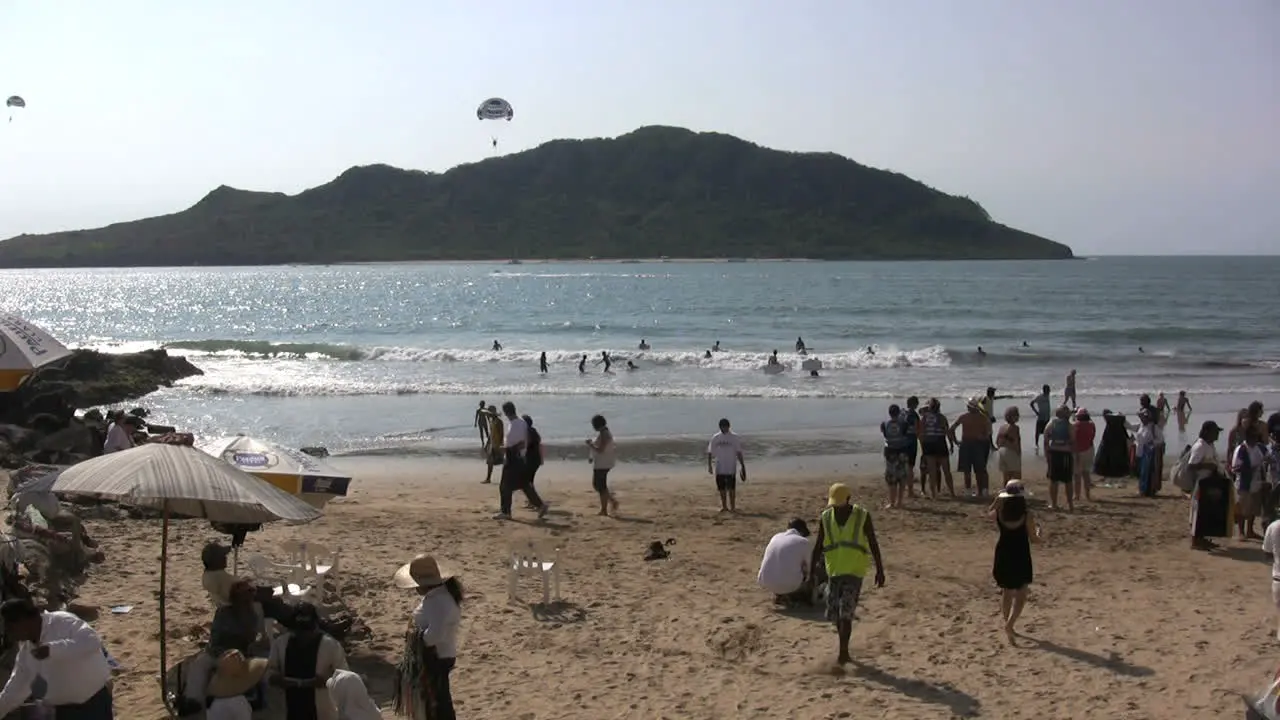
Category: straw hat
[838,495]
[1013,488]
[422,571]
[235,675]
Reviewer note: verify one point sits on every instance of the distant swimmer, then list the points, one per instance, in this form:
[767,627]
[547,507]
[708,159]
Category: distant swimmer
[773,359]
[981,352]
[497,346]
[542,363]
[644,345]
[582,365]
[1024,344]
[606,360]
[1141,351]
[632,366]
[707,356]
[871,350]
[813,373]
[716,347]
[799,345]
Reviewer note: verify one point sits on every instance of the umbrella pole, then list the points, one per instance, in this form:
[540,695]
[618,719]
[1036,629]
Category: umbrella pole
[164,647]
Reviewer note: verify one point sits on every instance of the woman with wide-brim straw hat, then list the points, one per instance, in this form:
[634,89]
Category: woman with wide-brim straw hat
[431,642]
[235,676]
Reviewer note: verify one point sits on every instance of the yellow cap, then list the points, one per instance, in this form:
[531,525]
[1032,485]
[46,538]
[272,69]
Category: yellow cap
[838,495]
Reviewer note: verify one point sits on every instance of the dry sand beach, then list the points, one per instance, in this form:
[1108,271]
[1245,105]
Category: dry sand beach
[1124,621]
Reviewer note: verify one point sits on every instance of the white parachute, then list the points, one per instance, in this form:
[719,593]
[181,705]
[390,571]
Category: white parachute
[14,101]
[495,109]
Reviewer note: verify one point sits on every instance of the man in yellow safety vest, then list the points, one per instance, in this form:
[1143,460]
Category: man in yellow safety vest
[846,544]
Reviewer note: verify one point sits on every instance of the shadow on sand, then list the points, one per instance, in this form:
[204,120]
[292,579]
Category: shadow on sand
[559,611]
[1111,661]
[959,703]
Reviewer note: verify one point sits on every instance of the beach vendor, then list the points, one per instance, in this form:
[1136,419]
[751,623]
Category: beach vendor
[431,642]
[845,545]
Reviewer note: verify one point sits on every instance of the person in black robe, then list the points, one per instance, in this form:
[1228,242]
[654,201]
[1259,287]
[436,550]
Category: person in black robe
[1112,459]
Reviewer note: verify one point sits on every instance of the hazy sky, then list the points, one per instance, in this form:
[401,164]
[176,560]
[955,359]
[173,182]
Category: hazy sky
[1115,126]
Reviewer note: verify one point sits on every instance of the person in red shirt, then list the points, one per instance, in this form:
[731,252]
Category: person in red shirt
[1086,431]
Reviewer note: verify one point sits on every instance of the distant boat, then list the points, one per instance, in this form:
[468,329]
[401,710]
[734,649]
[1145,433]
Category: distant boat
[736,260]
[514,261]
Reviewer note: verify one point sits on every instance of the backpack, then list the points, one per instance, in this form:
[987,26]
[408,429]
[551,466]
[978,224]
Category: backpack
[1181,474]
[895,433]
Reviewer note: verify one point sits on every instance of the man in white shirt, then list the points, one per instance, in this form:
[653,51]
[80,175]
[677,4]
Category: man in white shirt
[515,476]
[784,570]
[1271,546]
[62,653]
[724,457]
[1202,462]
[302,662]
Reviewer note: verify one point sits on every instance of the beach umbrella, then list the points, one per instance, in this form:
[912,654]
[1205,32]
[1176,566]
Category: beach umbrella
[183,481]
[24,348]
[291,470]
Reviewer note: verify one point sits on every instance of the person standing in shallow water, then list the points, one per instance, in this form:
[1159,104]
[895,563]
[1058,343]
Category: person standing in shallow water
[542,363]
[1012,568]
[1069,392]
[846,545]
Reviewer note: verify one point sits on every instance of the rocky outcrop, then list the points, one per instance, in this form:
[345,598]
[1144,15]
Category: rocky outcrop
[38,421]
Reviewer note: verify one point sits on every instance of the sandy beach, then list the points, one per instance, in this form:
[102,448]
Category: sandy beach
[1124,620]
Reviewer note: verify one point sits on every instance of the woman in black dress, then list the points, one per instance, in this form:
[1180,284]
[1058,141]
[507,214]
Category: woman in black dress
[1012,567]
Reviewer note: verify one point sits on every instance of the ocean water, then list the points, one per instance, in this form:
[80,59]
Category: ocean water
[395,357]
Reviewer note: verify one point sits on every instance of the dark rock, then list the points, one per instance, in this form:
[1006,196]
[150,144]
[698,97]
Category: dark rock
[139,412]
[316,451]
[160,429]
[88,377]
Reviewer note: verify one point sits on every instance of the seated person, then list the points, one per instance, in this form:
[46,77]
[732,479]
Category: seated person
[236,626]
[216,580]
[302,662]
[784,571]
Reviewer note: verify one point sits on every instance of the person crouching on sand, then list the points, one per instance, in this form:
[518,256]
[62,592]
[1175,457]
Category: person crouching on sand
[846,545]
[604,455]
[1009,446]
[1012,568]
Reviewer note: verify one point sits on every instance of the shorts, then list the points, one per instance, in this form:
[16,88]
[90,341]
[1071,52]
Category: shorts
[1041,425]
[1275,592]
[726,483]
[934,449]
[973,455]
[843,592]
[912,451]
[1009,461]
[600,480]
[896,469]
[1083,463]
[494,456]
[1061,468]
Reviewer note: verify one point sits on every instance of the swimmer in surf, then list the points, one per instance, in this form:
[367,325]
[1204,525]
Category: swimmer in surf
[813,373]
[981,353]
[495,143]
[707,356]
[497,346]
[716,347]
[1024,344]
[542,363]
[1141,351]
[643,344]
[632,366]
[604,358]
[871,350]
[799,345]
[773,359]
[582,365]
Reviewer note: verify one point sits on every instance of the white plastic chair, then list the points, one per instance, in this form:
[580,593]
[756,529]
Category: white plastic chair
[532,559]
[296,551]
[320,560]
